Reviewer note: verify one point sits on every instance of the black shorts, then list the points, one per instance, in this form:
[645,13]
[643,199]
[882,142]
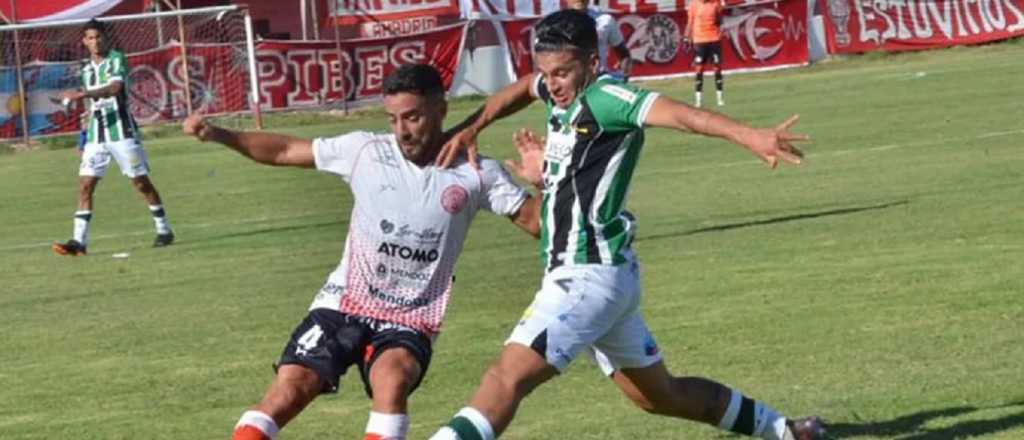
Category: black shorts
[708,52]
[328,342]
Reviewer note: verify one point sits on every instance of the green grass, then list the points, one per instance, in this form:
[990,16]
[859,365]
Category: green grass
[880,284]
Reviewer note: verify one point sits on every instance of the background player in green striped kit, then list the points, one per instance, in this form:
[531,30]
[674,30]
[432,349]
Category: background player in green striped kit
[111,134]
[589,298]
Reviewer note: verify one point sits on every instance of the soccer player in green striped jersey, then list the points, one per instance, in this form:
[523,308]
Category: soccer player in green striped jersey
[588,302]
[111,134]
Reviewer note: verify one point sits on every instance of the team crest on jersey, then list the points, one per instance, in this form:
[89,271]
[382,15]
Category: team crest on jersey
[454,198]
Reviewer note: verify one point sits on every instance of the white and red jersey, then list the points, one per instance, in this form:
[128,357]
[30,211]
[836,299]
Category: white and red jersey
[407,227]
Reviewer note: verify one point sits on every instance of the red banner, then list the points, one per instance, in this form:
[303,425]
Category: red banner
[386,18]
[505,9]
[295,74]
[218,82]
[853,26]
[756,37]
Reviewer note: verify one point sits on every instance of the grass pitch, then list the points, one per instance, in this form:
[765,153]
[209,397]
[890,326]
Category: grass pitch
[880,284]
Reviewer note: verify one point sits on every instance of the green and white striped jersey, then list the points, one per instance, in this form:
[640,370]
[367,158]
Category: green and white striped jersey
[591,152]
[110,119]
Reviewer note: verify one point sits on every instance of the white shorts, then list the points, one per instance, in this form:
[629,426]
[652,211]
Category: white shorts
[130,157]
[593,309]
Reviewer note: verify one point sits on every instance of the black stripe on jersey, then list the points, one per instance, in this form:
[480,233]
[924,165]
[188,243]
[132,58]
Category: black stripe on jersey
[122,113]
[562,216]
[588,167]
[101,123]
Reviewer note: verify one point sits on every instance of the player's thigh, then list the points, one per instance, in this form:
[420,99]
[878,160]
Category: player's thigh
[520,368]
[628,344]
[396,361]
[715,53]
[130,157]
[394,372]
[575,307]
[95,160]
[327,342]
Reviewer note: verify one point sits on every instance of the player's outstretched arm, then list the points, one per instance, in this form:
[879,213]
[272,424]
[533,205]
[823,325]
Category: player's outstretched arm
[266,148]
[768,144]
[511,99]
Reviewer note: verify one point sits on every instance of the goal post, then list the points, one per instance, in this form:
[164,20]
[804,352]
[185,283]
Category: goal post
[200,60]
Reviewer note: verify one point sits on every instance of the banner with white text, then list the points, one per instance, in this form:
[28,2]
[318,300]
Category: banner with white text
[854,26]
[296,74]
[386,18]
[759,37]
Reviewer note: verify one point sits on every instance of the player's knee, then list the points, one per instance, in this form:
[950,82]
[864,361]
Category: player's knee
[142,184]
[392,388]
[503,377]
[87,185]
[393,375]
[294,386]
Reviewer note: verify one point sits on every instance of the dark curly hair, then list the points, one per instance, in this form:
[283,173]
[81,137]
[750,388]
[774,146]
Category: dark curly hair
[420,79]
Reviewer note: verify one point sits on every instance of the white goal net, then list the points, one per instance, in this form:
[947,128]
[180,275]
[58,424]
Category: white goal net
[44,59]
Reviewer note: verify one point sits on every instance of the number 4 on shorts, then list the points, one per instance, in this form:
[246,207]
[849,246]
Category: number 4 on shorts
[309,340]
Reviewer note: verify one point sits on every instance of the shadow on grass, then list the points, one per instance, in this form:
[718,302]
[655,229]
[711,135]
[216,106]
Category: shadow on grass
[912,426]
[770,221]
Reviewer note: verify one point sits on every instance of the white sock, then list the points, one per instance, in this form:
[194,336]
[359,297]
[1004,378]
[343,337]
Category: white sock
[481,426]
[721,98]
[260,421]
[160,219]
[770,424]
[81,231]
[699,97]
[760,419]
[388,426]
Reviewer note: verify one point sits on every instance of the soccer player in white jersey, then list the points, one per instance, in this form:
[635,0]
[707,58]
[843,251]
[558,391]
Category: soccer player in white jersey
[111,134]
[588,302]
[381,309]
[608,37]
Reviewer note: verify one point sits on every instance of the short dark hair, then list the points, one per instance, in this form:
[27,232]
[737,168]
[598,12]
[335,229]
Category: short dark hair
[420,79]
[567,29]
[95,25]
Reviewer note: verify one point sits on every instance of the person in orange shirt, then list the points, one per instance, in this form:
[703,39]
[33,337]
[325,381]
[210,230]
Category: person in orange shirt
[704,30]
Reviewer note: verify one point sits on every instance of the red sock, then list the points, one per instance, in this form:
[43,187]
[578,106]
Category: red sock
[248,432]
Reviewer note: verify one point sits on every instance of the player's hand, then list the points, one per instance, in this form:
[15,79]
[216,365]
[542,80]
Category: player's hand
[530,166]
[463,141]
[196,125]
[772,144]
